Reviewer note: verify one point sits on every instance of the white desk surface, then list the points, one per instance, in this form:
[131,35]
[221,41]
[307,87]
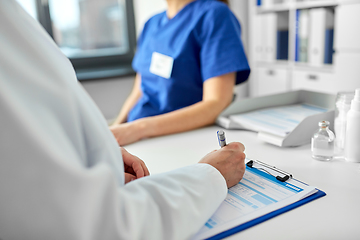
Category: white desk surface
[335,216]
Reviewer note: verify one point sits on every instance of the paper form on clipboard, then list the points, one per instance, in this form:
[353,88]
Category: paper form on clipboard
[256,195]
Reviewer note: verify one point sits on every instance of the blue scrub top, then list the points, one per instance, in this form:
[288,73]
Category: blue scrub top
[204,41]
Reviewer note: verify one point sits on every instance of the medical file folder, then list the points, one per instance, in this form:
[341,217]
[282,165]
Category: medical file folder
[259,196]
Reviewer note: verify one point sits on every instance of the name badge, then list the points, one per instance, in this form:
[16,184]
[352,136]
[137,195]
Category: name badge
[161,65]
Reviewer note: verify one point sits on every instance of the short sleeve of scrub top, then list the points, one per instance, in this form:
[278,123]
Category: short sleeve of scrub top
[203,40]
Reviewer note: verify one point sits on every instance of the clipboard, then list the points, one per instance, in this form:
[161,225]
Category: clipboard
[268,216]
[273,174]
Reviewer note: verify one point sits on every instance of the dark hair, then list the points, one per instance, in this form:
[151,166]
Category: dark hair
[224,1]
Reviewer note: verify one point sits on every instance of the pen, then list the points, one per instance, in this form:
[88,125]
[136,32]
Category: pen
[221,138]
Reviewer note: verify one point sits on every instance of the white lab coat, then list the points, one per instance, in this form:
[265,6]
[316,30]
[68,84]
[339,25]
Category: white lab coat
[61,171]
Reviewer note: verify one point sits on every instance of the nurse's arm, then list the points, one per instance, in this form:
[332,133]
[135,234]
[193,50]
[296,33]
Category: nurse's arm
[130,101]
[217,95]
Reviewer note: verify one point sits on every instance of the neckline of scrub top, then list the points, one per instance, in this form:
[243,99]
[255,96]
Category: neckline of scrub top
[165,18]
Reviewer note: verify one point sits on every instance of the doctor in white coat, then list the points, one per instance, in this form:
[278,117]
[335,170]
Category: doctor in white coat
[61,170]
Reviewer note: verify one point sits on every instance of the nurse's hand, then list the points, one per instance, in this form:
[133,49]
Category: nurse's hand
[134,167]
[127,133]
[230,161]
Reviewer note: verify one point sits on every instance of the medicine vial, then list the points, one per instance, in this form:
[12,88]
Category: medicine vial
[322,142]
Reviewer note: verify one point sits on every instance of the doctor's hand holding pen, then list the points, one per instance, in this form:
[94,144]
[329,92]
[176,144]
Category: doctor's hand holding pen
[229,161]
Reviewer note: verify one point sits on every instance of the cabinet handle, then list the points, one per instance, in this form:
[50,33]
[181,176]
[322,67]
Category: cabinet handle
[269,49]
[271,72]
[313,77]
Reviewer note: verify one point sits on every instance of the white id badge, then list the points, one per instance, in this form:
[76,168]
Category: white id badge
[161,65]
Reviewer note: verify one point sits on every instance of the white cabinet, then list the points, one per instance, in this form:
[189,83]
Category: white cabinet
[335,29]
[314,81]
[259,47]
[265,40]
[317,35]
[347,27]
[344,77]
[269,36]
[271,80]
[347,71]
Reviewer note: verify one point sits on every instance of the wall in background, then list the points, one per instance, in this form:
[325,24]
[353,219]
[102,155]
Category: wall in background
[144,9]
[109,94]
[240,9]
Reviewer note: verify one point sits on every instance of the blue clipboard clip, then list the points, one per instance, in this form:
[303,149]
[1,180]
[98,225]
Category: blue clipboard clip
[285,175]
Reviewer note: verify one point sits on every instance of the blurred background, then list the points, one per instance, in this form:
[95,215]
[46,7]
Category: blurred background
[291,44]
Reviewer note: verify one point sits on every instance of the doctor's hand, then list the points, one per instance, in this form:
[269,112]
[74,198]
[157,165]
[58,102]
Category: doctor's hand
[230,161]
[134,167]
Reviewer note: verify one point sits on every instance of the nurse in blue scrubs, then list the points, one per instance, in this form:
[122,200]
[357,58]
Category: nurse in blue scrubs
[188,60]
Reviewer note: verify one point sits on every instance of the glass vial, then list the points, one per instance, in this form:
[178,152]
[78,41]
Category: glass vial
[322,142]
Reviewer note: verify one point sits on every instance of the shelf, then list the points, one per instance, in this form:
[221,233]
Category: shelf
[275,64]
[306,67]
[315,4]
[343,2]
[276,8]
[287,6]
[296,66]
[280,7]
[339,19]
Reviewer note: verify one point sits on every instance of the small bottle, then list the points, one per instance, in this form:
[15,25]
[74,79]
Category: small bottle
[352,139]
[322,143]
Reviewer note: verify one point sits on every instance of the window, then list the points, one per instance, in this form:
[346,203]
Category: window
[29,6]
[97,36]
